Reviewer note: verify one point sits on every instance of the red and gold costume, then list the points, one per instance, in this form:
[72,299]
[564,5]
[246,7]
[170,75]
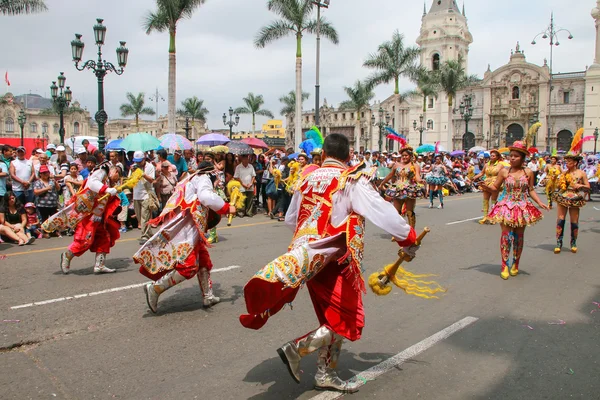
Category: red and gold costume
[327,212]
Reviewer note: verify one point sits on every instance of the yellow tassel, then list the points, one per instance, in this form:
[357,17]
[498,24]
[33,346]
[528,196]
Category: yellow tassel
[277,176]
[407,281]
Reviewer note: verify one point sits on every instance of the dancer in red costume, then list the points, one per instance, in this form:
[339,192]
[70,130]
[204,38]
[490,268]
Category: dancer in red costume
[178,251]
[327,212]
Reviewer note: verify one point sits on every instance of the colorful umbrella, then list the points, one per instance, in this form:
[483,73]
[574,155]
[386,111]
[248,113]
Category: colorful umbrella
[533,150]
[114,145]
[141,141]
[457,153]
[255,143]
[426,148]
[213,139]
[382,172]
[476,149]
[173,141]
[219,149]
[239,148]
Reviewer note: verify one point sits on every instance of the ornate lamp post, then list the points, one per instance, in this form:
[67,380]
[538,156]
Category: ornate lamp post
[22,119]
[420,128]
[320,4]
[73,145]
[595,139]
[100,68]
[466,110]
[187,128]
[231,123]
[61,100]
[381,123]
[551,32]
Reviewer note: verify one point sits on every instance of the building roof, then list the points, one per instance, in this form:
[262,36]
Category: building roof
[444,6]
[34,101]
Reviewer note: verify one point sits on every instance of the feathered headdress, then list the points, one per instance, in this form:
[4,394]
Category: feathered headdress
[437,148]
[532,133]
[314,141]
[398,137]
[577,144]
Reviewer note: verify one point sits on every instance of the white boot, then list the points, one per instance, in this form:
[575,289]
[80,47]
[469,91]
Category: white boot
[326,378]
[154,289]
[65,261]
[209,299]
[99,267]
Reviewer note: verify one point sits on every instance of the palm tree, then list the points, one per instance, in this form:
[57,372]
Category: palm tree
[135,107]
[289,103]
[294,20]
[165,18]
[392,61]
[428,85]
[359,97]
[253,106]
[453,78]
[16,7]
[193,108]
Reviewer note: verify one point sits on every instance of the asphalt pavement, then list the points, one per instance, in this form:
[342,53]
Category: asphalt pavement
[86,336]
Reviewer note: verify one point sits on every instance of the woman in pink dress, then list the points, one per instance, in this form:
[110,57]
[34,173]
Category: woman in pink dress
[515,211]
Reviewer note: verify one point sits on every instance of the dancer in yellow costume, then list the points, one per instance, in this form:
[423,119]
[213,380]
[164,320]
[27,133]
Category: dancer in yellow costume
[552,171]
[491,170]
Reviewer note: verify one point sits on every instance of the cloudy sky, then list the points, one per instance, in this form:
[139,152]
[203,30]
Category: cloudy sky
[217,61]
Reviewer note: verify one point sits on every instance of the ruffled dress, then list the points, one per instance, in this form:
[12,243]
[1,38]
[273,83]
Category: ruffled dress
[406,186]
[567,197]
[515,209]
[437,176]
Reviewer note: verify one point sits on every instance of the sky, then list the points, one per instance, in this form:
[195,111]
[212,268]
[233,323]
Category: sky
[218,62]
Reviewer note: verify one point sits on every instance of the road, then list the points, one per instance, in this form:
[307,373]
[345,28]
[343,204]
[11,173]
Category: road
[86,336]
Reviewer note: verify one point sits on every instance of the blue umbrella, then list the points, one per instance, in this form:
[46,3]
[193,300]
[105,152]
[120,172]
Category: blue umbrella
[114,145]
[293,156]
[212,139]
[426,148]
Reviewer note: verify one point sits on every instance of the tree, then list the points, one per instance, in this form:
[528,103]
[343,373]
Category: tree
[16,7]
[294,20]
[452,78]
[165,19]
[193,108]
[392,61]
[253,106]
[289,103]
[359,96]
[135,107]
[428,85]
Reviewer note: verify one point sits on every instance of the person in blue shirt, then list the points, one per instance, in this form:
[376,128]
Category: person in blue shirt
[90,165]
[179,162]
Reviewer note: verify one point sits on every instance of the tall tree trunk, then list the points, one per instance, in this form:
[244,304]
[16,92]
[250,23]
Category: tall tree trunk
[253,125]
[172,84]
[450,124]
[357,135]
[137,122]
[396,109]
[298,124]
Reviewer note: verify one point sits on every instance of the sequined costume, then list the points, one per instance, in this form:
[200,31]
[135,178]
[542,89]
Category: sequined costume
[490,172]
[213,236]
[178,251]
[515,209]
[437,176]
[327,213]
[551,182]
[567,196]
[405,185]
[92,216]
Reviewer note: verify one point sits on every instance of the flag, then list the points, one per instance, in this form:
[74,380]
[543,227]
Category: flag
[6,78]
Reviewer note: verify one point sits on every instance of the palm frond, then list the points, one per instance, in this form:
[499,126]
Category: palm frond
[265,113]
[270,33]
[17,7]
[155,21]
[242,110]
[327,30]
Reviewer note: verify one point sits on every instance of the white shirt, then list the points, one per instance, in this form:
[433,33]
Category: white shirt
[37,166]
[23,172]
[245,174]
[533,166]
[139,190]
[201,187]
[369,162]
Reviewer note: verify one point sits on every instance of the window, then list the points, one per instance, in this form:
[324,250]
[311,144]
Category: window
[45,128]
[9,125]
[55,129]
[351,115]
[343,115]
[516,93]
[335,117]
[76,128]
[430,105]
[33,127]
[435,63]
[566,97]
[362,114]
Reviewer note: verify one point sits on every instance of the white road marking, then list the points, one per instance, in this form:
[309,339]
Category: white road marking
[399,359]
[464,220]
[117,289]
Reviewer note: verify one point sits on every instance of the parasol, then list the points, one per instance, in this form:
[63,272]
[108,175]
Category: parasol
[114,145]
[219,149]
[255,143]
[239,148]
[212,139]
[141,141]
[425,148]
[533,150]
[382,172]
[457,153]
[173,141]
[477,149]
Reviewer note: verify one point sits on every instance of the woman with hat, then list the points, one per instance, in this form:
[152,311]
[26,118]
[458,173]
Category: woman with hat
[407,186]
[491,170]
[515,211]
[436,181]
[552,171]
[572,184]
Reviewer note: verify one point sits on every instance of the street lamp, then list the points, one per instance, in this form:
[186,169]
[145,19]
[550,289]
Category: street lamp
[420,128]
[61,100]
[466,111]
[100,69]
[231,123]
[73,145]
[187,128]
[551,32]
[22,119]
[595,139]
[320,4]
[381,124]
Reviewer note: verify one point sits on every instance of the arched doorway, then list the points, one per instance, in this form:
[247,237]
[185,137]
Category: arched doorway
[468,141]
[515,132]
[563,140]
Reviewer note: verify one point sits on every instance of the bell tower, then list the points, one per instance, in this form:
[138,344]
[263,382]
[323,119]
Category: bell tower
[444,34]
